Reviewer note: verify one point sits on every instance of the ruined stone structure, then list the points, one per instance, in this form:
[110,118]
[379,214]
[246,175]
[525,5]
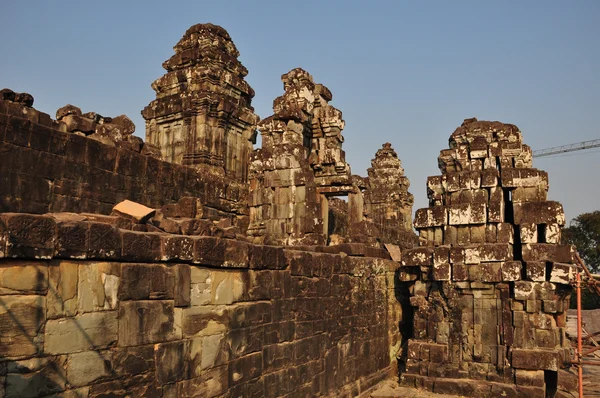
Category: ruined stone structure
[388,202]
[188,266]
[491,281]
[202,115]
[301,167]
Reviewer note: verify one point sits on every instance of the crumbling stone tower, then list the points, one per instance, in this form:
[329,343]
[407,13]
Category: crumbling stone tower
[300,164]
[491,281]
[387,200]
[202,114]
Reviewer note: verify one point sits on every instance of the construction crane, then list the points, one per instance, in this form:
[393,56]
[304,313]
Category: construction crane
[566,148]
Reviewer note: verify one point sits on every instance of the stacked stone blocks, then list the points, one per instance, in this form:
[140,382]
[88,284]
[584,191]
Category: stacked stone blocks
[491,281]
[113,312]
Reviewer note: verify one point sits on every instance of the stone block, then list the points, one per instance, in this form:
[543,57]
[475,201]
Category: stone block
[98,285]
[495,252]
[491,272]
[200,286]
[442,272]
[213,383]
[38,377]
[207,320]
[245,368]
[63,282]
[94,330]
[104,241]
[536,271]
[76,123]
[31,236]
[489,178]
[132,361]
[266,257]
[147,282]
[505,233]
[546,212]
[529,378]
[417,257]
[140,246]
[515,178]
[21,277]
[511,270]
[496,206]
[183,285]
[567,380]
[87,367]
[531,392]
[176,248]
[221,252]
[552,233]
[563,273]
[227,287]
[535,359]
[430,217]
[215,352]
[469,388]
[528,233]
[467,213]
[171,364]
[21,321]
[145,322]
[72,240]
[134,211]
[525,290]
[460,272]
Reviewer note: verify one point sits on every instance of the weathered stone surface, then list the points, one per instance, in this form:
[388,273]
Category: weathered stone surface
[388,202]
[87,367]
[187,118]
[144,322]
[95,330]
[32,236]
[171,364]
[98,284]
[489,270]
[36,378]
[67,110]
[21,323]
[64,280]
[535,359]
[135,211]
[147,282]
[24,278]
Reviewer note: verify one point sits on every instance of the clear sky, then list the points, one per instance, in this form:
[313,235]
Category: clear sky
[400,71]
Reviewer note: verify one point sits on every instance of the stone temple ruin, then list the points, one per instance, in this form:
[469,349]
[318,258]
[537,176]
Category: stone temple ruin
[191,264]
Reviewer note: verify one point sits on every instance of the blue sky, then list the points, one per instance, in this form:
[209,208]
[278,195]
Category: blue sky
[403,72]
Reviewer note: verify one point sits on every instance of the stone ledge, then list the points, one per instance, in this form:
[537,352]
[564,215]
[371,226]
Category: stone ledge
[43,237]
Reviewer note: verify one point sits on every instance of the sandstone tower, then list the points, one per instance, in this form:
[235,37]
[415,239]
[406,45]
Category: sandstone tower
[202,115]
[492,282]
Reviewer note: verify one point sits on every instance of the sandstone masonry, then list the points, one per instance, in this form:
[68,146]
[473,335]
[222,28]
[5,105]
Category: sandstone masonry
[491,281]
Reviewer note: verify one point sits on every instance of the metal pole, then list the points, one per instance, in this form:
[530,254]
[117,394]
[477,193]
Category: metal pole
[579,342]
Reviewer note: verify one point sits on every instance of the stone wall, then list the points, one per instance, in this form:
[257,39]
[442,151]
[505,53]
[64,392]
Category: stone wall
[491,282]
[90,310]
[47,169]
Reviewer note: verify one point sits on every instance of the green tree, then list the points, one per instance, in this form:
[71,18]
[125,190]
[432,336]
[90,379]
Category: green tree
[584,232]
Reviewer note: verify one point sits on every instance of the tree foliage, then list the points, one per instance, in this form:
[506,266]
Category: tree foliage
[584,233]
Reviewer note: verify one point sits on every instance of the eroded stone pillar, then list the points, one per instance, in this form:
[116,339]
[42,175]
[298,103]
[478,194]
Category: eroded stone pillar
[300,163]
